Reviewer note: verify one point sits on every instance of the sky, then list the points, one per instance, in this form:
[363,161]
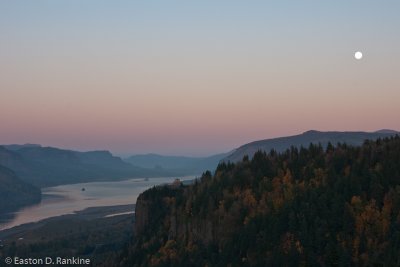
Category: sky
[194,77]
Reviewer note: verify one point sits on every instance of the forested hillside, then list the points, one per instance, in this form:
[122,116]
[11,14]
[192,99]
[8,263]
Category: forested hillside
[15,193]
[280,144]
[315,206]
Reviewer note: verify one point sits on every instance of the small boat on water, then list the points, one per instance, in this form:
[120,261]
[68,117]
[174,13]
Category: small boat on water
[83,189]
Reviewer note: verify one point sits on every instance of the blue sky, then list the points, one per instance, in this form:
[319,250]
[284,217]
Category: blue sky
[194,77]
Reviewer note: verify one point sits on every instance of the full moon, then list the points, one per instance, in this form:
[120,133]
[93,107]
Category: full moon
[358,55]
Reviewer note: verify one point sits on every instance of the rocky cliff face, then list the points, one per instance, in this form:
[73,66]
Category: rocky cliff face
[142,214]
[158,208]
[157,212]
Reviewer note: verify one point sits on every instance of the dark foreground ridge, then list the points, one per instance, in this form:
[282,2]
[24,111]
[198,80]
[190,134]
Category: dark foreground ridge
[315,206]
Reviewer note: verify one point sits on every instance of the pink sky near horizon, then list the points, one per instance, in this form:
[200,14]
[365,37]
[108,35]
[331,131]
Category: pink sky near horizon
[172,90]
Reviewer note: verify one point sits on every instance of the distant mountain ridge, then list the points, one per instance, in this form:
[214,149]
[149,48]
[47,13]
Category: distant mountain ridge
[280,144]
[15,147]
[49,166]
[179,164]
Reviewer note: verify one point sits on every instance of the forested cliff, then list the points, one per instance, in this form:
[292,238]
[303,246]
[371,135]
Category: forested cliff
[338,206]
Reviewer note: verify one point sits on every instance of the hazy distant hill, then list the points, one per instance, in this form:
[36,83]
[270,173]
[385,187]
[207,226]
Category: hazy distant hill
[46,166]
[15,193]
[282,143]
[177,164]
[15,147]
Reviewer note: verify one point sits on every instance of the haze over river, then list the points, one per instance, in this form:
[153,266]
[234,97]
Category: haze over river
[66,199]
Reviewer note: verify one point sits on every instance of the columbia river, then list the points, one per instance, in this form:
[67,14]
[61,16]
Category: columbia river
[68,199]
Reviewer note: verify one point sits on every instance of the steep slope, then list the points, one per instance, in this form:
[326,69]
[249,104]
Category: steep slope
[338,206]
[15,193]
[282,143]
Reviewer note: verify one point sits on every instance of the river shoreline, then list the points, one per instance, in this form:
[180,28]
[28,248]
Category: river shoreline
[18,233]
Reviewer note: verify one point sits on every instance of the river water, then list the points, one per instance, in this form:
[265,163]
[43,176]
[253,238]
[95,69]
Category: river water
[67,199]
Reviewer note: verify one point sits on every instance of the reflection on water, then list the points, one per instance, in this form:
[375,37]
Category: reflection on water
[66,199]
[119,214]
